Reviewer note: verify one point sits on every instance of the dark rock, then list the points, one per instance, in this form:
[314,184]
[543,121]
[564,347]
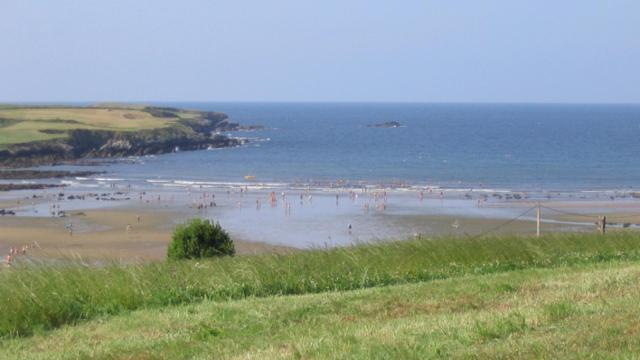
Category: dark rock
[4,212]
[11,187]
[388,124]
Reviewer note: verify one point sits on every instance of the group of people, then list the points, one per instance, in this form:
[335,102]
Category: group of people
[16,251]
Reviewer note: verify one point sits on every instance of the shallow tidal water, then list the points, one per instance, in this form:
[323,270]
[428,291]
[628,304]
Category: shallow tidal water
[469,152]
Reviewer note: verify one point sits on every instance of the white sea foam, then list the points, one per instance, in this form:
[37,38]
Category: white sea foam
[157,181]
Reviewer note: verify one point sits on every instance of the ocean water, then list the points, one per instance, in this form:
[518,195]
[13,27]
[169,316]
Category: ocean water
[497,146]
[504,153]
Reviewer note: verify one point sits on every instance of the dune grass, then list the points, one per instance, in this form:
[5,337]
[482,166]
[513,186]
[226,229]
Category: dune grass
[46,297]
[582,311]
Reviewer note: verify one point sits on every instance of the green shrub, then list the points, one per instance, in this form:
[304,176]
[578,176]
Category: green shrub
[199,238]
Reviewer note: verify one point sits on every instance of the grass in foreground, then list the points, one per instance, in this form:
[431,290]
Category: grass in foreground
[45,297]
[585,311]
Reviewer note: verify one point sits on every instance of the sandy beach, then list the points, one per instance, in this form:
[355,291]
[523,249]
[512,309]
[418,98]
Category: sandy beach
[102,235]
[104,223]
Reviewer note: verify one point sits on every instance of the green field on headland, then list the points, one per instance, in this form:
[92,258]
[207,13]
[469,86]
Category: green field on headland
[28,124]
[568,295]
[35,135]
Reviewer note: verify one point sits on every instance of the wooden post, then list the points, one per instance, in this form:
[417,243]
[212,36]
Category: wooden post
[538,221]
[599,224]
[602,224]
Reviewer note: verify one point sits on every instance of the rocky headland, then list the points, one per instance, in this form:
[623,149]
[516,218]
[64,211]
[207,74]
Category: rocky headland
[185,130]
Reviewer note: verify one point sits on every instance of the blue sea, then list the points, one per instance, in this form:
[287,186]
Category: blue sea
[500,146]
[341,181]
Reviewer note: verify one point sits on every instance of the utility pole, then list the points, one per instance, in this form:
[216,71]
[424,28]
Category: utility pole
[538,220]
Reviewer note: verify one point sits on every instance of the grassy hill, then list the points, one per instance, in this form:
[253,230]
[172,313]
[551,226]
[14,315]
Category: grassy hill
[577,312]
[568,295]
[27,124]
[31,135]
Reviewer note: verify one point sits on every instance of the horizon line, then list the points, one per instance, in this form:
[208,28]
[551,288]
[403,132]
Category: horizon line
[88,102]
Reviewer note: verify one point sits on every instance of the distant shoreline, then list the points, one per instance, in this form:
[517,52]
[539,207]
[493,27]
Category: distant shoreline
[43,135]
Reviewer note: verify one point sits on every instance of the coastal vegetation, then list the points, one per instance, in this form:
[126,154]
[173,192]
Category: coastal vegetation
[45,134]
[44,297]
[575,312]
[199,239]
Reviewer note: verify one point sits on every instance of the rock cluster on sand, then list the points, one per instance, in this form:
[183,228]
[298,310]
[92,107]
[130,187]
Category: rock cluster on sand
[10,187]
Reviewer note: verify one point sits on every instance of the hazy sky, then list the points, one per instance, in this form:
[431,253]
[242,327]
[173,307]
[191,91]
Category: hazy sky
[425,51]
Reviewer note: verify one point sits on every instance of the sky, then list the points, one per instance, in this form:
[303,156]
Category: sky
[568,51]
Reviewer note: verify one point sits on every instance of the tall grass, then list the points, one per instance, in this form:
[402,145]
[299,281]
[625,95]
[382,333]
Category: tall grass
[36,298]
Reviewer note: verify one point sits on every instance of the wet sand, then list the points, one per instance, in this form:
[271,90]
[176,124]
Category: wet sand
[102,234]
[463,226]
[295,222]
